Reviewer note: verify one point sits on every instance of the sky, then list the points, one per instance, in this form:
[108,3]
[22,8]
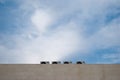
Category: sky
[59,30]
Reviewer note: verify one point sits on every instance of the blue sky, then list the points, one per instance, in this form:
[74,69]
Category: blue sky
[47,30]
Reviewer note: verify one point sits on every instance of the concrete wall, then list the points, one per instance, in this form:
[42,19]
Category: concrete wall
[59,72]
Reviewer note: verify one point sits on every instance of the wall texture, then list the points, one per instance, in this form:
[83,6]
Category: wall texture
[59,72]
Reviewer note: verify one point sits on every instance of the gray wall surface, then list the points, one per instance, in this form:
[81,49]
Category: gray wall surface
[59,72]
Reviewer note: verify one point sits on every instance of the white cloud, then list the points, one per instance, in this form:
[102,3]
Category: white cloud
[62,42]
[65,39]
[42,19]
[56,45]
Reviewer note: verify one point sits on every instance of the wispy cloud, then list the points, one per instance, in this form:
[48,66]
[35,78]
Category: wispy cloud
[110,58]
